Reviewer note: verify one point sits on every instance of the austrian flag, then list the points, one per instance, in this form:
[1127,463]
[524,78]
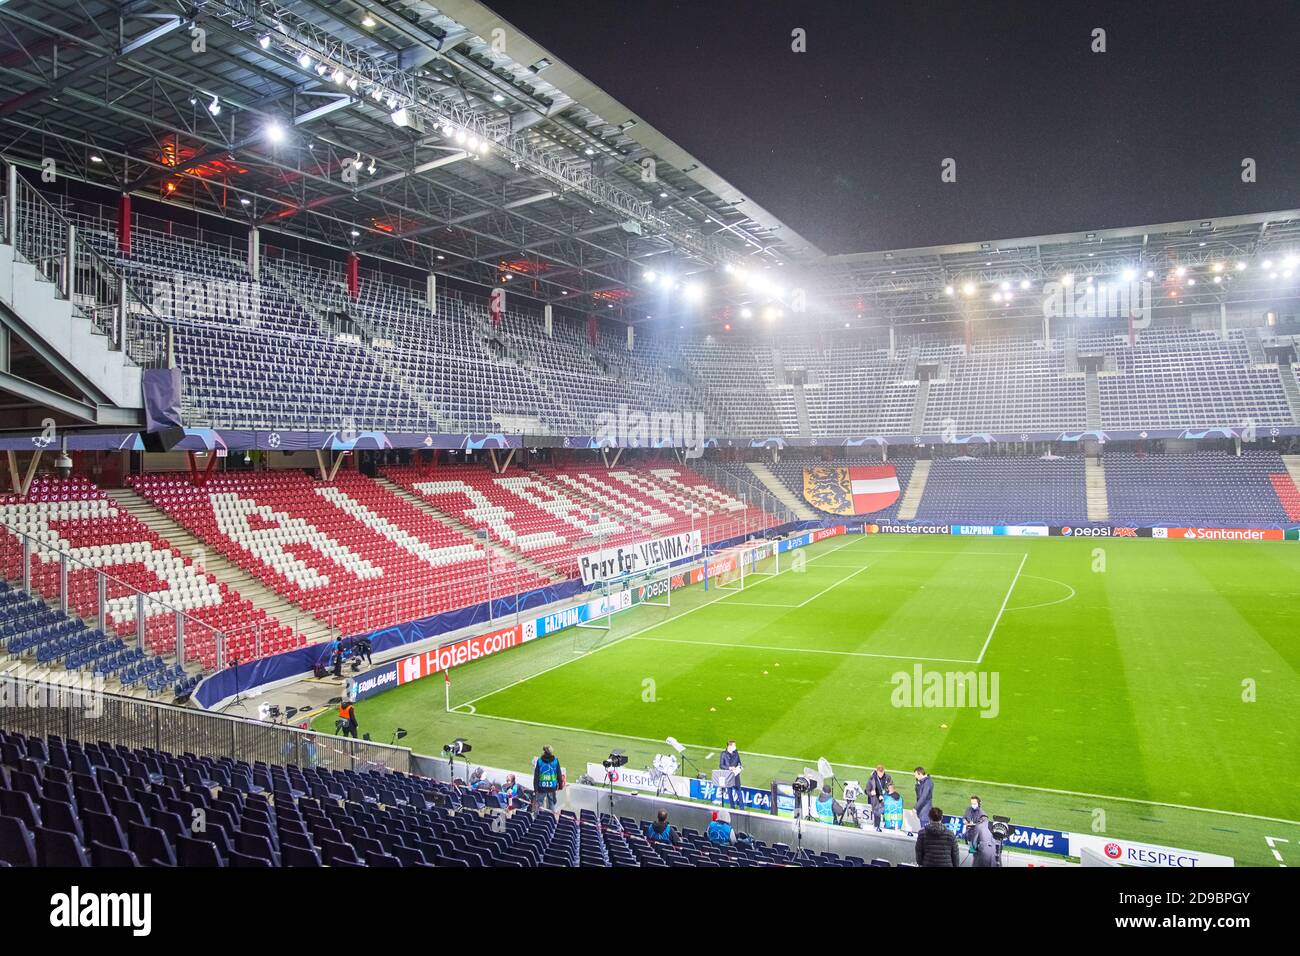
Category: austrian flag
[853,490]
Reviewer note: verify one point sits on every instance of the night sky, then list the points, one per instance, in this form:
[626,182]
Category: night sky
[844,142]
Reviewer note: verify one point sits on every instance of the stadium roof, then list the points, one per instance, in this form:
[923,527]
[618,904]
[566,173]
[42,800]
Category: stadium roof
[265,116]
[443,138]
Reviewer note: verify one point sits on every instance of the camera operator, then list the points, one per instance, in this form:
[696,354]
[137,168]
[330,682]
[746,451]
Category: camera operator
[361,648]
[984,844]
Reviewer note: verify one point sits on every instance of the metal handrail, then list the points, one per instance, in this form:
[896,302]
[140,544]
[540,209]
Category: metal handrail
[73,711]
[80,273]
[34,547]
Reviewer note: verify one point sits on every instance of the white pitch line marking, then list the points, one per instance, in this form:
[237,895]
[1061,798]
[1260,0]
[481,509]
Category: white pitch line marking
[807,650]
[987,640]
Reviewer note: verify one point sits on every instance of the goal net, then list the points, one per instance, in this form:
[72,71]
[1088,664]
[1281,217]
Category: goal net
[734,568]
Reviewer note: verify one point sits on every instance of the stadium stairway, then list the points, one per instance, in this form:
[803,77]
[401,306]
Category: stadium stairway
[781,492]
[915,490]
[1092,391]
[801,410]
[1286,372]
[106,378]
[497,548]
[918,410]
[235,578]
[1095,479]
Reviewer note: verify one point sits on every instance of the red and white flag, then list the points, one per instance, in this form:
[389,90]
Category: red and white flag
[874,488]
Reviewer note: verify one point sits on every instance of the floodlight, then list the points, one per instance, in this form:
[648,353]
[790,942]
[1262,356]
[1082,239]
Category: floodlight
[275,132]
[215,107]
[264,41]
[1067,279]
[304,61]
[1129,275]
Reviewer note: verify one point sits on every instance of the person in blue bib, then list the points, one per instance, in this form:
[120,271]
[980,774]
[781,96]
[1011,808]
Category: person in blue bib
[824,806]
[720,831]
[546,778]
[891,811]
[661,831]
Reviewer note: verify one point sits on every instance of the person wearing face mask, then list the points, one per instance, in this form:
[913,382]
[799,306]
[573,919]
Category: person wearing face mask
[730,760]
[970,818]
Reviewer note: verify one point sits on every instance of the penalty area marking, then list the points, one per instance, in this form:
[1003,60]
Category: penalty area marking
[619,640]
[801,603]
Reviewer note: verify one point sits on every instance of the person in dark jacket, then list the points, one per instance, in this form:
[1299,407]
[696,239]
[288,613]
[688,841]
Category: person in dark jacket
[935,845]
[984,846]
[924,796]
[969,817]
[661,831]
[546,778]
[730,760]
[877,786]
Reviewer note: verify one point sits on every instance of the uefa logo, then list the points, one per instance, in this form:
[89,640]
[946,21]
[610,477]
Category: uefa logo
[1114,851]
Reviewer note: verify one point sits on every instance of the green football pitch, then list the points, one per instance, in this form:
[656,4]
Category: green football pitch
[1142,688]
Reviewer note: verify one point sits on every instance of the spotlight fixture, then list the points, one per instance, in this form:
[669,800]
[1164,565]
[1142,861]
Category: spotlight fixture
[215,107]
[275,132]
[371,168]
[264,41]
[368,21]
[355,233]
[304,61]
[96,158]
